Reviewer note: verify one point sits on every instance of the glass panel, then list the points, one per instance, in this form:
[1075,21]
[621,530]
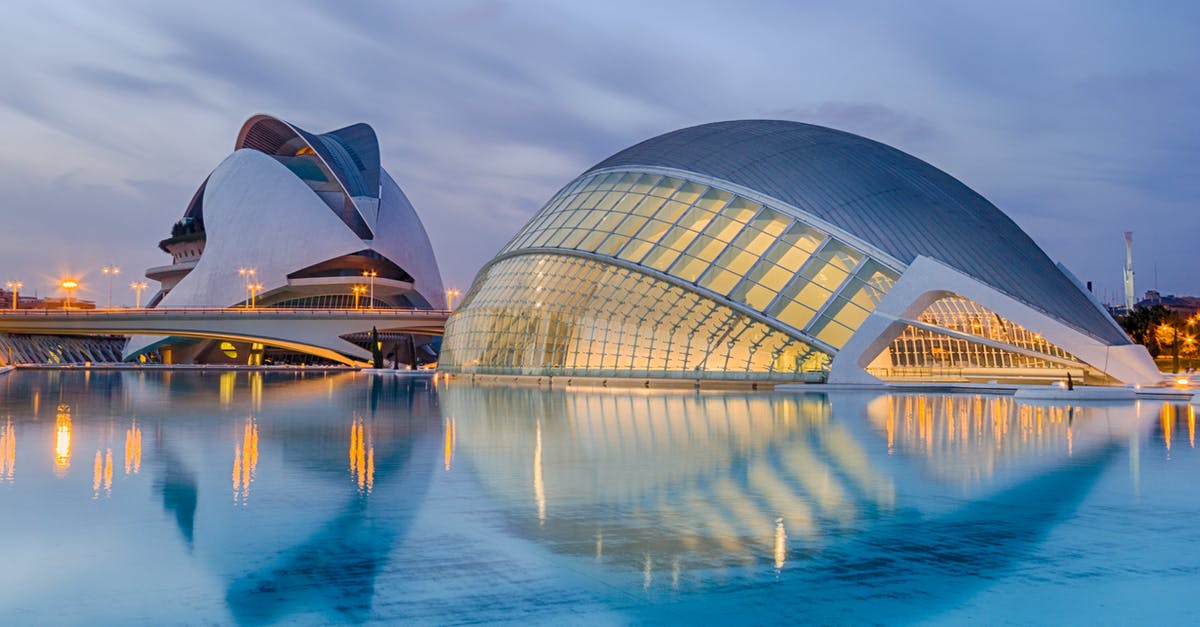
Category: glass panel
[719,281]
[644,183]
[696,219]
[677,238]
[713,199]
[796,314]
[689,192]
[723,228]
[666,187]
[689,268]
[671,210]
[737,261]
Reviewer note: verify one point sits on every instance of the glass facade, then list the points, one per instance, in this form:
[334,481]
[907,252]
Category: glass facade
[551,314]
[729,246]
[918,349]
[710,252]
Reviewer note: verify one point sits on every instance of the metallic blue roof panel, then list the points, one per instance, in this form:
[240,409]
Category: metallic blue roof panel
[892,200]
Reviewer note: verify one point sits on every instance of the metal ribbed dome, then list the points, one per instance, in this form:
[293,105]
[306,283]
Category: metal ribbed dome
[892,200]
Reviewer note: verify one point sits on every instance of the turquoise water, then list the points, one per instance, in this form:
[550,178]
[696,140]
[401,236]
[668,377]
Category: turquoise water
[221,498]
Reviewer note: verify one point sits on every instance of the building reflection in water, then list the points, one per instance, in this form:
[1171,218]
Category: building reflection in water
[62,440]
[657,480]
[362,456]
[8,451]
[245,461]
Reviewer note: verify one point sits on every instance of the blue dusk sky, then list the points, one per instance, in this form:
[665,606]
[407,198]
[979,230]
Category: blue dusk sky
[1078,119]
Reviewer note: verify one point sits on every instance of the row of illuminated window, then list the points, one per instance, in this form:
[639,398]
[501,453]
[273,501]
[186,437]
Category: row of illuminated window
[330,301]
[726,244]
[549,314]
[916,347]
[967,316]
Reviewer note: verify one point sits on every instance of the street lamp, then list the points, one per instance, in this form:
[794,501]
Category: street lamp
[450,294]
[15,288]
[371,274]
[247,275]
[137,287]
[254,288]
[69,285]
[358,290]
[111,272]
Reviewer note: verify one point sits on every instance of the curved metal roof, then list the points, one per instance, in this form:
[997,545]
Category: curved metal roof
[890,199]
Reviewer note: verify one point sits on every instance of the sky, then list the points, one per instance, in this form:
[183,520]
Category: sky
[1078,119]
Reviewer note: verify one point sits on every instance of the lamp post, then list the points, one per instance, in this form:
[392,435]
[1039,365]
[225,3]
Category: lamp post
[247,275]
[137,287]
[371,274]
[15,288]
[254,288]
[111,272]
[450,295]
[358,290]
[69,285]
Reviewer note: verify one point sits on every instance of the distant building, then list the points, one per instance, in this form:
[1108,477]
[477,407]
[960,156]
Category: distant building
[764,250]
[294,219]
[33,302]
[1182,305]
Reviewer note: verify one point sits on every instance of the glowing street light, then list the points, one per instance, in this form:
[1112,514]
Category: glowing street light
[15,288]
[450,295]
[111,272]
[69,285]
[358,290]
[247,275]
[371,274]
[254,289]
[137,287]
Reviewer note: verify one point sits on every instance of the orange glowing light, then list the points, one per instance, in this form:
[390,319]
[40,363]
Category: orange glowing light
[362,456]
[8,452]
[451,438]
[62,440]
[245,461]
[133,449]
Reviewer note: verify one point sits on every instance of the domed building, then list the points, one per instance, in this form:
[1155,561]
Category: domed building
[775,251]
[293,220]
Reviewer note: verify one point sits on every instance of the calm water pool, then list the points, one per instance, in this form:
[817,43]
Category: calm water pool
[218,498]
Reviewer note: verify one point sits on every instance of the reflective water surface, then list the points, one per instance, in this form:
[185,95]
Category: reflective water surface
[218,498]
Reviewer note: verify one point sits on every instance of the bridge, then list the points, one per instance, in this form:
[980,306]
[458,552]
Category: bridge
[313,331]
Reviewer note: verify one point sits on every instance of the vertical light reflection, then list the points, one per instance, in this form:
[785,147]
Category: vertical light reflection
[647,572]
[362,456]
[1191,413]
[62,440]
[599,545]
[96,471]
[675,574]
[102,474]
[451,440]
[256,391]
[1167,419]
[133,449]
[780,544]
[225,387]
[8,451]
[245,461]
[539,490]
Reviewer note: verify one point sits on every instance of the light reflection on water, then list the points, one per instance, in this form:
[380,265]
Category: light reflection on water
[317,498]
